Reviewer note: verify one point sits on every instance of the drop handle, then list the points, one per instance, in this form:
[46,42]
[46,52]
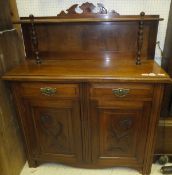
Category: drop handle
[120,92]
[48,91]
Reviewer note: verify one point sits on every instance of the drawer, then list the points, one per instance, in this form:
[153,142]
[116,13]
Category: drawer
[121,91]
[49,90]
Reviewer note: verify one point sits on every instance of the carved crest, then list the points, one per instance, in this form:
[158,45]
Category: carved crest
[71,10]
[87,9]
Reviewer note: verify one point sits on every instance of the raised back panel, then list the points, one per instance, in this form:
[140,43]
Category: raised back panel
[100,35]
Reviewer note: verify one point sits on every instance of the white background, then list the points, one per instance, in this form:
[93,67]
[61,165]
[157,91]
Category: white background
[123,7]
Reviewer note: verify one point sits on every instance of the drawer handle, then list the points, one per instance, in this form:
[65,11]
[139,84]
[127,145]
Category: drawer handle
[120,92]
[48,91]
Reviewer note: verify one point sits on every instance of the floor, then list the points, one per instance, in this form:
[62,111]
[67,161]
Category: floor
[56,169]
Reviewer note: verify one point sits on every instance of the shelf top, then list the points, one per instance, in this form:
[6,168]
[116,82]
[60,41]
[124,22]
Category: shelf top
[106,18]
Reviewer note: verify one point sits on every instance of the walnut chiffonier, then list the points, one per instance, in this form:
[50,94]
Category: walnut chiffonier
[89,93]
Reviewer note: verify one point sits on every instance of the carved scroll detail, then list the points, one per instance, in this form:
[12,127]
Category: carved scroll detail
[71,10]
[140,39]
[119,134]
[55,130]
[34,40]
[87,9]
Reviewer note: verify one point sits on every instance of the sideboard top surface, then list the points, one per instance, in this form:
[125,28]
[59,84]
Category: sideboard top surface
[89,70]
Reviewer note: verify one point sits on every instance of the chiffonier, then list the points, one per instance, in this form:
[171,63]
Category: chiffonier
[89,93]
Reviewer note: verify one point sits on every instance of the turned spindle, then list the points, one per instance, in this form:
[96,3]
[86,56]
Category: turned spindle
[140,39]
[34,40]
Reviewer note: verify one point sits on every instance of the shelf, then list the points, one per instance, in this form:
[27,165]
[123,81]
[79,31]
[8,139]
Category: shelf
[104,18]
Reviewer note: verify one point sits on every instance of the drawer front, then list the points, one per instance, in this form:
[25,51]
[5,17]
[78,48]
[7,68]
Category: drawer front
[49,90]
[121,91]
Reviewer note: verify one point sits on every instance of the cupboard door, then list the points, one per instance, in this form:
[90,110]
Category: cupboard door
[56,126]
[119,130]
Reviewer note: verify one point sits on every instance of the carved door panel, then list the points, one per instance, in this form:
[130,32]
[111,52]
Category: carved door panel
[119,130]
[56,125]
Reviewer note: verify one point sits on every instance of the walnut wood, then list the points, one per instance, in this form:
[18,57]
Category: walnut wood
[140,39]
[118,125]
[62,90]
[62,121]
[94,34]
[91,40]
[103,18]
[85,119]
[128,112]
[88,70]
[152,130]
[87,9]
[137,91]
[85,60]
[34,40]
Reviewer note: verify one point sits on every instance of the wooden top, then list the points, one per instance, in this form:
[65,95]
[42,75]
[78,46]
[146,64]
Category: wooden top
[89,71]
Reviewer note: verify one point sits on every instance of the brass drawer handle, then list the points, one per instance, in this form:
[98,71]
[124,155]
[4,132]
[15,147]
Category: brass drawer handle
[48,91]
[120,92]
